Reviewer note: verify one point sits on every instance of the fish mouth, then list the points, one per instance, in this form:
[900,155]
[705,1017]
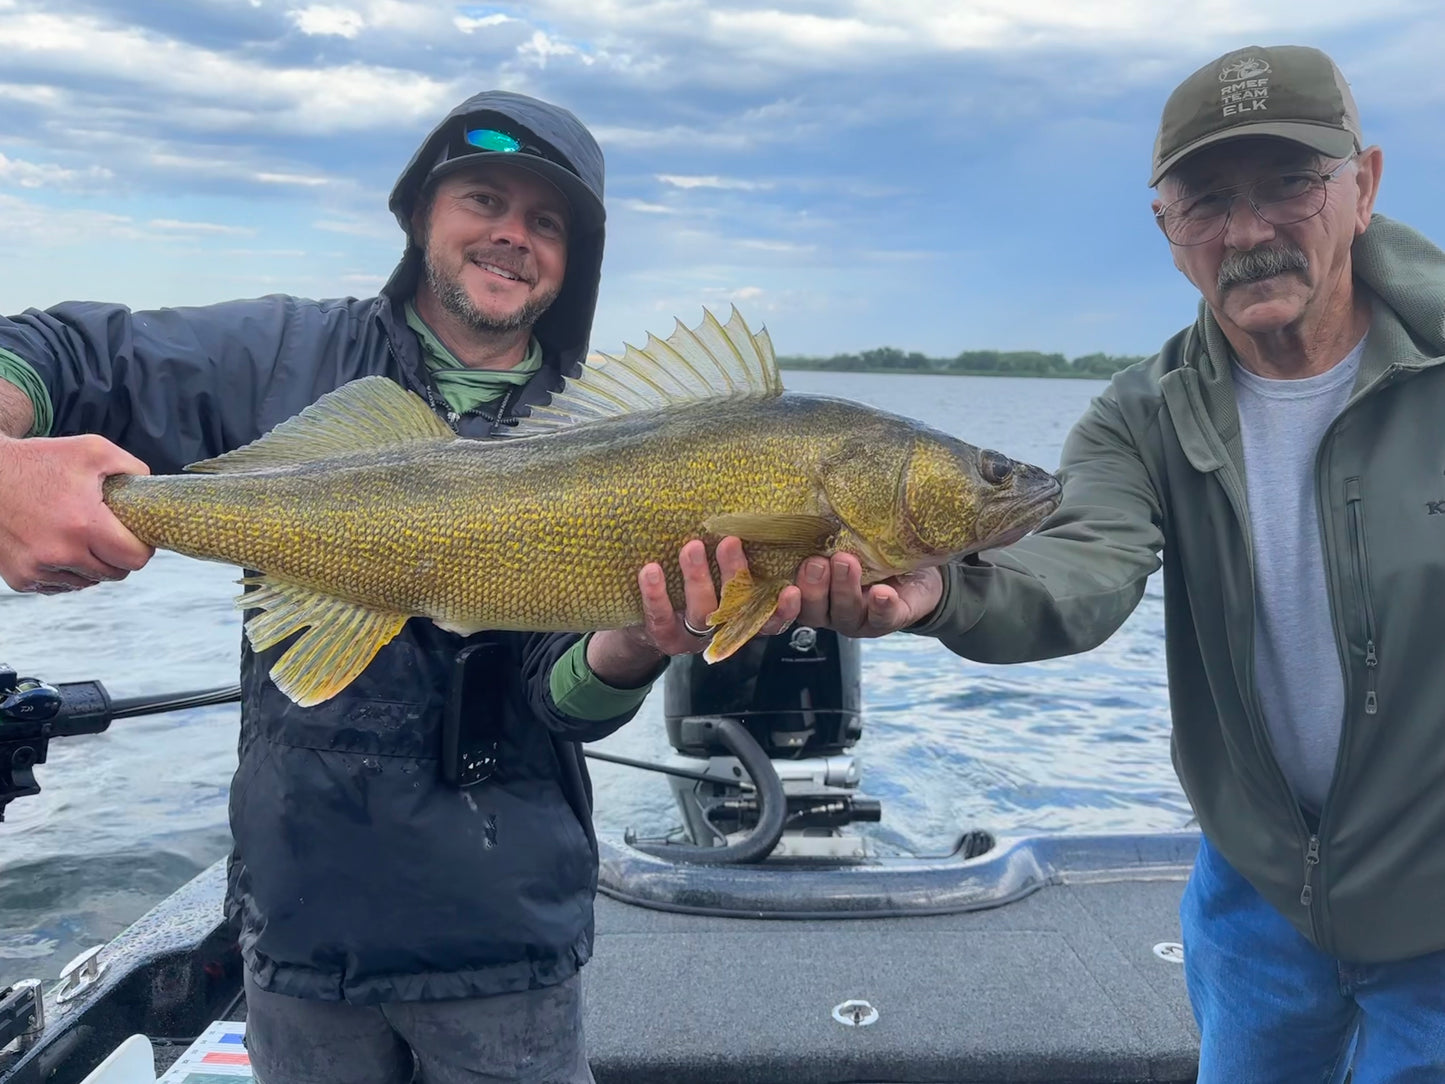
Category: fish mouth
[1023,514]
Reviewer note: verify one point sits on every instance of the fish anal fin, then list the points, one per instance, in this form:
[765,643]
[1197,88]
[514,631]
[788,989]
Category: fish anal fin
[744,608]
[341,637]
[802,531]
[363,415]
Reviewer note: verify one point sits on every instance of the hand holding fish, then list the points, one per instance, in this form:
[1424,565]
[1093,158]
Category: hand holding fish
[833,596]
[629,656]
[56,534]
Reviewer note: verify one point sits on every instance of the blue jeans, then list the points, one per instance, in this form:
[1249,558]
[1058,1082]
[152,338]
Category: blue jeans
[1273,1008]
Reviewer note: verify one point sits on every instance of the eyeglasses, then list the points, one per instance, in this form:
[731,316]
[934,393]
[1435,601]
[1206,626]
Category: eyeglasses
[1281,200]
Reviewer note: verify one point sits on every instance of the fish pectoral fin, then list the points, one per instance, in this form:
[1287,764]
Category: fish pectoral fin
[809,533]
[341,638]
[744,608]
[361,416]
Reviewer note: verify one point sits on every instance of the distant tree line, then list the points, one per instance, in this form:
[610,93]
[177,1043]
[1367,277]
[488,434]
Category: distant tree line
[970,362]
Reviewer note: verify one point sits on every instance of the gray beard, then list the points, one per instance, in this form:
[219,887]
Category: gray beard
[1239,268]
[457,303]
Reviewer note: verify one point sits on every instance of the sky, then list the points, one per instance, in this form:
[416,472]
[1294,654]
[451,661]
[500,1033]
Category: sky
[932,175]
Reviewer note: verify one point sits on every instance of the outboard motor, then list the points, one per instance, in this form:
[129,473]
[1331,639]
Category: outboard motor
[799,697]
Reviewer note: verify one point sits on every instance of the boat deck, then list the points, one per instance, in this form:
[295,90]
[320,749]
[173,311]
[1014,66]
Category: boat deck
[1063,985]
[1042,967]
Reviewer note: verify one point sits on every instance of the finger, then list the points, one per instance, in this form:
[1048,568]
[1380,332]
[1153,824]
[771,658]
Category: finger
[813,584]
[698,591]
[52,581]
[659,620]
[786,612]
[731,557]
[117,553]
[886,612]
[845,594]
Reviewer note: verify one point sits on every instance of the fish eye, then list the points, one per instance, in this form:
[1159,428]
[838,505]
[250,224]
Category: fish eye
[995,467]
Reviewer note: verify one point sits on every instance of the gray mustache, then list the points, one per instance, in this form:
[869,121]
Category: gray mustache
[1260,263]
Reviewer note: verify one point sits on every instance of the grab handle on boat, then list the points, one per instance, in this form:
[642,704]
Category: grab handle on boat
[756,844]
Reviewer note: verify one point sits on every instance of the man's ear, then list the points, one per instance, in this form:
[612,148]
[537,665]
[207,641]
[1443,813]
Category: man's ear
[421,215]
[1368,167]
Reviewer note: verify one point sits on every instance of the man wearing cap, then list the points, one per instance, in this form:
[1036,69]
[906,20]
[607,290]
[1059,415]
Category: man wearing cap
[1285,454]
[395,915]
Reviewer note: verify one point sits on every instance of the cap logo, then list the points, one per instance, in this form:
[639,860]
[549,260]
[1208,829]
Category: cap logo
[1245,86]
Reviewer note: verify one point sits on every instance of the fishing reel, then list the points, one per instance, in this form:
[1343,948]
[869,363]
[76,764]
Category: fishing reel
[32,712]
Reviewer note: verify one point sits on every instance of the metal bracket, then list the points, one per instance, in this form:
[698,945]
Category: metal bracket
[22,1015]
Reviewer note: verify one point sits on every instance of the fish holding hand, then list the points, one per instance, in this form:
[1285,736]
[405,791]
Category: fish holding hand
[366,510]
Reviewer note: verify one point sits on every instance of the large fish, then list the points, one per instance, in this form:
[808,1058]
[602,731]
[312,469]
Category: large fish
[365,509]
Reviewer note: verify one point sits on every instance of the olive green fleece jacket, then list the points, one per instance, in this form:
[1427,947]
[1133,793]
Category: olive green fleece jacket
[1156,465]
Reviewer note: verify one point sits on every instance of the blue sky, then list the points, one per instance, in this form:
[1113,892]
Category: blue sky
[937,175]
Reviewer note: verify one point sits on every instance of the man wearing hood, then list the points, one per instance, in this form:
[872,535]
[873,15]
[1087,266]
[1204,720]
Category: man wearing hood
[414,862]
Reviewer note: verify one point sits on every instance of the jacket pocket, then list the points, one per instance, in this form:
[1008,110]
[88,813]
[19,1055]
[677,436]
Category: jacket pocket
[1360,568]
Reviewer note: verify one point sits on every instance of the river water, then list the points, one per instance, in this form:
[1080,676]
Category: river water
[1070,745]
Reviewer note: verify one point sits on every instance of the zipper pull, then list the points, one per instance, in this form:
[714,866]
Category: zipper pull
[1312,859]
[1372,660]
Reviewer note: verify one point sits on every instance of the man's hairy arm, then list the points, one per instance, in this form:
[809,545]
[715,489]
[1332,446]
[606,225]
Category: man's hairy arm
[56,534]
[16,413]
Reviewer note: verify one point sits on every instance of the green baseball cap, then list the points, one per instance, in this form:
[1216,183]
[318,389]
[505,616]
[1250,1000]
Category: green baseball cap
[1287,91]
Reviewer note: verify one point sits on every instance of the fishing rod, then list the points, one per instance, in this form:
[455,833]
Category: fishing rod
[32,712]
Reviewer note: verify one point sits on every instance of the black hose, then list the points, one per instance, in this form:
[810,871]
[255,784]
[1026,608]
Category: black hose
[758,843]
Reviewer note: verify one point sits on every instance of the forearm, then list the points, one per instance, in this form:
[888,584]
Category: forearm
[623,658]
[1042,598]
[17,416]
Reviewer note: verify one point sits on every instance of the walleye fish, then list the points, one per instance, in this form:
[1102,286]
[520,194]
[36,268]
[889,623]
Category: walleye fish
[366,510]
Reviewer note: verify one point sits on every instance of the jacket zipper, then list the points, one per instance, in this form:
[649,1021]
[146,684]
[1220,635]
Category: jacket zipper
[1312,859]
[1360,562]
[453,418]
[1256,712]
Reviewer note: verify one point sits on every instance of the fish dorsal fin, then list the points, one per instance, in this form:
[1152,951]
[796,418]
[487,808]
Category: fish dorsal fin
[710,361]
[364,415]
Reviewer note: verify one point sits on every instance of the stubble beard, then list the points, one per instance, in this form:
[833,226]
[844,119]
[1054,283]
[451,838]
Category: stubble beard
[457,303]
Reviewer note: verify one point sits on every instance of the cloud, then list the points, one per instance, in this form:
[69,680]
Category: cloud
[541,48]
[646,208]
[291,178]
[172,225]
[466,24]
[25,223]
[712,182]
[40,175]
[377,228]
[323,20]
[208,89]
